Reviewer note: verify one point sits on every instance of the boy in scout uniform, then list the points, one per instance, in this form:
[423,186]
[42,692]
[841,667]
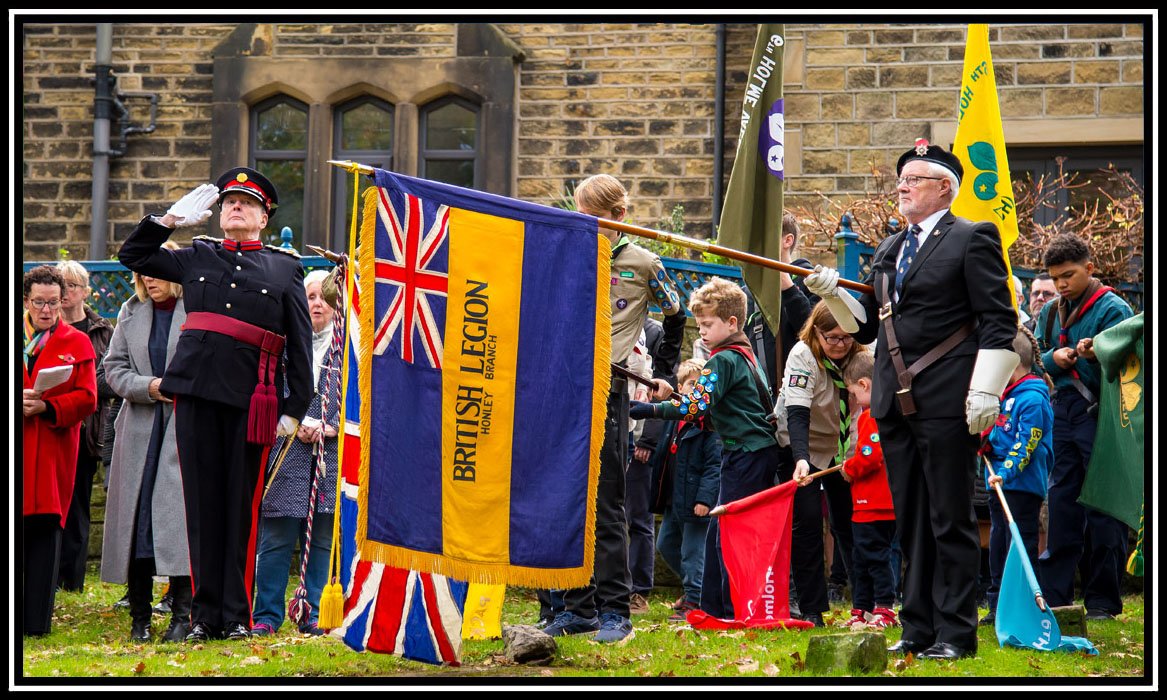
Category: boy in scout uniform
[241,373]
[638,280]
[734,393]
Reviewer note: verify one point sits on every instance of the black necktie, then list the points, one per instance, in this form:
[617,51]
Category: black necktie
[910,249]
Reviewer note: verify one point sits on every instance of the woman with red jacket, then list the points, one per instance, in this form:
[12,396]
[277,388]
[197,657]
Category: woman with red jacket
[52,436]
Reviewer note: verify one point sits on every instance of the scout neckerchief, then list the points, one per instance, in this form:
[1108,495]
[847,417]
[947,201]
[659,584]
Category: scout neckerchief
[619,247]
[1094,291]
[844,417]
[34,340]
[739,343]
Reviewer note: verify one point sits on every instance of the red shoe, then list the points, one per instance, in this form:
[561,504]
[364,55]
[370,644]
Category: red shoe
[857,617]
[882,617]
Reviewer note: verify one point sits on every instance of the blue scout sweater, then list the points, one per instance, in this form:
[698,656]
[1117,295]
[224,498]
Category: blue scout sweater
[1021,441]
[1109,310]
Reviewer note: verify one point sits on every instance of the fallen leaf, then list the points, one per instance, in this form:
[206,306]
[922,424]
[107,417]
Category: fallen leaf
[749,666]
[140,667]
[799,664]
[173,663]
[1034,664]
[226,652]
[770,670]
[546,672]
[667,674]
[251,661]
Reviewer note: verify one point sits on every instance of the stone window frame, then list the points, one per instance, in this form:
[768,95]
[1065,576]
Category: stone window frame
[484,72]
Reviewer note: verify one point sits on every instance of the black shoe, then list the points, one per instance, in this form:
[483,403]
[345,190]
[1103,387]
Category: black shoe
[199,632]
[835,595]
[943,651]
[177,631]
[164,606]
[988,620]
[124,602]
[815,619]
[236,630]
[140,631]
[907,646]
[544,621]
[1098,615]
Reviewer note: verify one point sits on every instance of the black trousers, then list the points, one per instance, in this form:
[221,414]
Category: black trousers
[742,474]
[75,538]
[1077,533]
[874,584]
[222,490]
[41,556]
[611,584]
[807,562]
[931,464]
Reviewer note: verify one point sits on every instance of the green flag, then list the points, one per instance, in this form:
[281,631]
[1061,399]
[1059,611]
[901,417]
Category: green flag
[751,218]
[1114,477]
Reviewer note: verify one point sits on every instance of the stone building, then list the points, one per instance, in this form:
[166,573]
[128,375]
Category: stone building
[527,109]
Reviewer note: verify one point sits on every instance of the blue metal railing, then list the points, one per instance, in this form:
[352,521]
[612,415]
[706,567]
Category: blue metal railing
[112,283]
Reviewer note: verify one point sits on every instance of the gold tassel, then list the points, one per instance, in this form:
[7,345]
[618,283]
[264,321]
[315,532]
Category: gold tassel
[331,607]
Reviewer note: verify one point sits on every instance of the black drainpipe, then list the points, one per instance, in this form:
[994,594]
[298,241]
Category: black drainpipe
[718,130]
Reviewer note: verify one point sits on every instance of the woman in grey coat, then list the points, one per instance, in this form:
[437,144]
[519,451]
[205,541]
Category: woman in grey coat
[145,516]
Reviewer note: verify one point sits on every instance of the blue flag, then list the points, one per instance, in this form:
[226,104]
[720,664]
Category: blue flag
[1020,622]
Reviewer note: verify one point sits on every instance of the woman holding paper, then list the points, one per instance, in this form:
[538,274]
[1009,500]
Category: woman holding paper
[145,515]
[60,391]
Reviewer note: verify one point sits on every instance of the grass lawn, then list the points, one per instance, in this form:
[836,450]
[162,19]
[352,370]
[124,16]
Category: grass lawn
[90,640]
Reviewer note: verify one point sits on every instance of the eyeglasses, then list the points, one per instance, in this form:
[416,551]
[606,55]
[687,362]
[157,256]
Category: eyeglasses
[914,180]
[836,339]
[74,285]
[1043,295]
[42,303]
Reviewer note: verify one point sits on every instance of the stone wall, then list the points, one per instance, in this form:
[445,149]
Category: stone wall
[633,99]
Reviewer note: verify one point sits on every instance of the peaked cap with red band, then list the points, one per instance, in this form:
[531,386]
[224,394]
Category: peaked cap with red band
[248,181]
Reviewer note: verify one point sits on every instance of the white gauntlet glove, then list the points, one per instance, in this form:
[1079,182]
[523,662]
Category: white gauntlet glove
[990,376]
[195,206]
[287,426]
[824,282]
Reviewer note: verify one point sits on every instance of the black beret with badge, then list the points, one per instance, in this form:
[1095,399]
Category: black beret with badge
[932,154]
[248,181]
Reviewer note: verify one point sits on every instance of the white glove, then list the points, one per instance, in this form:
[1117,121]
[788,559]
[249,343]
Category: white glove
[990,376]
[801,471]
[287,426]
[824,282]
[195,206]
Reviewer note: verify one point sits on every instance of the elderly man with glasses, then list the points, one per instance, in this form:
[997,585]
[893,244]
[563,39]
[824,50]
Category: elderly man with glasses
[944,326]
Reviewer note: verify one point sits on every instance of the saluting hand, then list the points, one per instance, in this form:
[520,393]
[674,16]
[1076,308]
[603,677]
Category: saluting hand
[193,209]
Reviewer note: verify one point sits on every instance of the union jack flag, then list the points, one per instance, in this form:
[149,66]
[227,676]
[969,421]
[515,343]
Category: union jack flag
[388,610]
[413,277]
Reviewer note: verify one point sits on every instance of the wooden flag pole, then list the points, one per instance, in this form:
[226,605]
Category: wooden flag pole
[720,510]
[730,253]
[629,374]
[682,241]
[1038,597]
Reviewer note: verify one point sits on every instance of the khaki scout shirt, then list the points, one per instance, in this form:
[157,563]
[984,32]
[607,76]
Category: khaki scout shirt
[638,279]
[806,383]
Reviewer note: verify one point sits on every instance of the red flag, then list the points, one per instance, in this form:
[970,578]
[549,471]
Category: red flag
[755,545]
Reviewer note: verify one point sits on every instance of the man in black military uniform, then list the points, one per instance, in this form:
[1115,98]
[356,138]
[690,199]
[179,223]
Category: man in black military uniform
[241,373]
[944,325]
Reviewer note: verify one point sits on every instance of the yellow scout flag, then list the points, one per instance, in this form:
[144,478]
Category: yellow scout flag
[987,191]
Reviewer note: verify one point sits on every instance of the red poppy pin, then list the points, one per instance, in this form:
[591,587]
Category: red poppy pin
[67,358]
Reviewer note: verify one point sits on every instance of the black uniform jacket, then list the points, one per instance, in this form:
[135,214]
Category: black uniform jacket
[263,287]
[958,276]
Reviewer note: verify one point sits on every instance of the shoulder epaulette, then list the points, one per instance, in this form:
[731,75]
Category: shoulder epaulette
[286,251]
[208,239]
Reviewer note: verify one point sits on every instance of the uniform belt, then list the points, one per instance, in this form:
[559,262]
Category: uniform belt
[905,375]
[263,414]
